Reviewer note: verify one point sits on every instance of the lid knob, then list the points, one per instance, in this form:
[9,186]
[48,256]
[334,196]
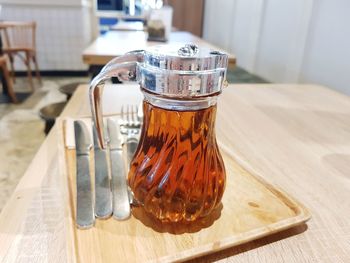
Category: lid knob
[188,50]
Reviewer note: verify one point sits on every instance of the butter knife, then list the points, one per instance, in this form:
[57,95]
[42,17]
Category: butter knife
[103,198]
[85,217]
[121,204]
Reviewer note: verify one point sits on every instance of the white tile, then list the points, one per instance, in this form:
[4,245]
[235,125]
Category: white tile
[61,34]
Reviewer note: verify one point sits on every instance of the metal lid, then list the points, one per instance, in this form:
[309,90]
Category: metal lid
[182,70]
[184,57]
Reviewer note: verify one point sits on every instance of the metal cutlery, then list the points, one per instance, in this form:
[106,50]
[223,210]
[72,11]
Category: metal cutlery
[111,190]
[85,217]
[130,126]
[103,196]
[121,202]
[140,113]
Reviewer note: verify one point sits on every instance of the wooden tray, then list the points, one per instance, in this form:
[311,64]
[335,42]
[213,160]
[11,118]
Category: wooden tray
[251,208]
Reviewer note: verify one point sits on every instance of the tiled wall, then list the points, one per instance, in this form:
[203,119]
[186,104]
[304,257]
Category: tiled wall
[63,32]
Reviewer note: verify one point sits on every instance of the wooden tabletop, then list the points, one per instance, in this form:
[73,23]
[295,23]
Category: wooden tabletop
[128,26]
[117,43]
[296,136]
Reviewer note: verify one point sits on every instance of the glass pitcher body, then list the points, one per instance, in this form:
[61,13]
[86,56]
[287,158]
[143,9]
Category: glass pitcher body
[177,172]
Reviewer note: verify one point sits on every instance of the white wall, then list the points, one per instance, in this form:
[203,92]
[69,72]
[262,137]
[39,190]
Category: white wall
[63,30]
[294,41]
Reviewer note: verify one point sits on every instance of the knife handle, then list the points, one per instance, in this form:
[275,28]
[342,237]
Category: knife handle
[85,212]
[103,198]
[121,202]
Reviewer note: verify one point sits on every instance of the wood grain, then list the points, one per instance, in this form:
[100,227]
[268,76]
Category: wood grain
[251,208]
[296,136]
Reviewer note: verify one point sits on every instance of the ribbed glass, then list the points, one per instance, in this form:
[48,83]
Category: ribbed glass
[177,173]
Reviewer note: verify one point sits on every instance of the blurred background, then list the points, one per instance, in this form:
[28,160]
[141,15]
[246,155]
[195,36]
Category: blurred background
[49,47]
[282,41]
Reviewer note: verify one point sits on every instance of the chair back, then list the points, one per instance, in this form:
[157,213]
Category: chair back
[18,35]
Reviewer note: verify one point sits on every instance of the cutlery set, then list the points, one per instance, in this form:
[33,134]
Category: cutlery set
[111,195]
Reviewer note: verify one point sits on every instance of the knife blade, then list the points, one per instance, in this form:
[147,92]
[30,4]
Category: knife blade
[85,217]
[103,198]
[121,203]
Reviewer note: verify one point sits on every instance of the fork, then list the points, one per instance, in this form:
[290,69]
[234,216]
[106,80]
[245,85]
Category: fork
[130,127]
[130,119]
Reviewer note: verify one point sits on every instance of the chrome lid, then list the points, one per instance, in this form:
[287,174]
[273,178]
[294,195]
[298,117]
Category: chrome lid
[182,70]
[184,57]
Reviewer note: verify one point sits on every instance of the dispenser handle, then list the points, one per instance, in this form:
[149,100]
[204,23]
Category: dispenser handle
[124,68]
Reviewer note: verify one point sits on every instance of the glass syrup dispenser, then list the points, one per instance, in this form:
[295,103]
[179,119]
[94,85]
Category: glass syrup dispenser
[177,173]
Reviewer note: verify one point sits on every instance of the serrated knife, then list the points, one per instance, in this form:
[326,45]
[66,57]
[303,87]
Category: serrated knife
[121,203]
[85,217]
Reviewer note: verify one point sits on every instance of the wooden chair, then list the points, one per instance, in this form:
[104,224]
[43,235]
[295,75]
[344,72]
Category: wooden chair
[6,76]
[19,40]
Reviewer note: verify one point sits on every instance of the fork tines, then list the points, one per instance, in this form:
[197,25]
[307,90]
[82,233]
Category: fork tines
[129,115]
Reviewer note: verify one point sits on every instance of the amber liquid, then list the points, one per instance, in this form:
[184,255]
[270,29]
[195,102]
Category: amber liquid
[177,173]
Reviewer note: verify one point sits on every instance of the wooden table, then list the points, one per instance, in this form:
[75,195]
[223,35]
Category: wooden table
[128,26]
[116,43]
[296,136]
